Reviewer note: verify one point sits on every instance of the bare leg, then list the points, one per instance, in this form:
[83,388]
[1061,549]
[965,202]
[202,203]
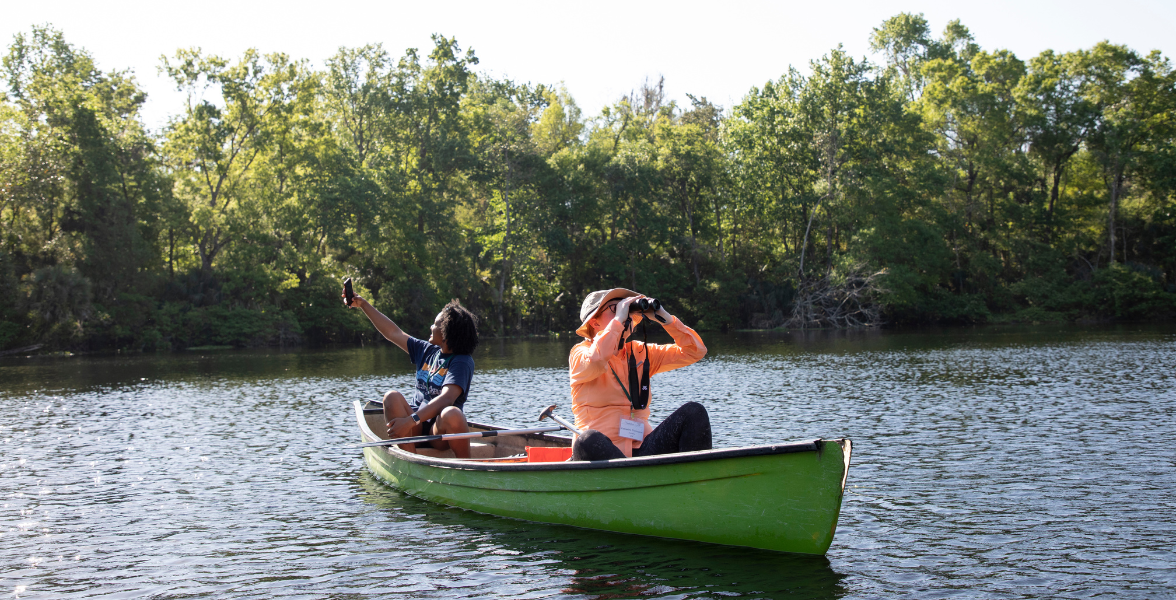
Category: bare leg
[452,420]
[396,407]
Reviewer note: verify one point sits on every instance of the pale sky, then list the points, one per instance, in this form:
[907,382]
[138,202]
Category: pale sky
[600,50]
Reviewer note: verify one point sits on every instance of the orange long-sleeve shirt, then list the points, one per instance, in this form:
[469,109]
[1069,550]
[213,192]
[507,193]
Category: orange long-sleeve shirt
[598,400]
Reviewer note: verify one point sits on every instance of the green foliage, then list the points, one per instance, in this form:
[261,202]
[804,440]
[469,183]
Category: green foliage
[1131,292]
[79,174]
[58,300]
[956,184]
[12,322]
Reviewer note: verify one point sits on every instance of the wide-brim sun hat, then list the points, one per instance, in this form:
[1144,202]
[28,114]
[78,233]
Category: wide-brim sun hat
[597,299]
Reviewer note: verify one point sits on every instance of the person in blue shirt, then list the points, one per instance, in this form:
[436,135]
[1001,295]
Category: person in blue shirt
[444,372]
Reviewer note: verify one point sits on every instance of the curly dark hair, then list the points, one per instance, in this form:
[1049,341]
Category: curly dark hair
[459,328]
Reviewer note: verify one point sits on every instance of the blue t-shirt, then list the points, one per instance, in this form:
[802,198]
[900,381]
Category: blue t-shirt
[436,370]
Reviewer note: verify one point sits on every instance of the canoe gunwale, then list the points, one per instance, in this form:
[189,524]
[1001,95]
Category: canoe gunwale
[816,445]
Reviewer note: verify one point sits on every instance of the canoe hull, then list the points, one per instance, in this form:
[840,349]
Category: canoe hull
[785,498]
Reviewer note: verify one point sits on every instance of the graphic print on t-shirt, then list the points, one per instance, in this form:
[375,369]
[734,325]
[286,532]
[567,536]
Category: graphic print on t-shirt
[431,377]
[436,370]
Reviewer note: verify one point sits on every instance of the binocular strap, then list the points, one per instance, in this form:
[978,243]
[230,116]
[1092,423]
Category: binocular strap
[639,399]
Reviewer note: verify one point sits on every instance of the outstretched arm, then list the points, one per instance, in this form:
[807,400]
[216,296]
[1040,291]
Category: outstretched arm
[391,331]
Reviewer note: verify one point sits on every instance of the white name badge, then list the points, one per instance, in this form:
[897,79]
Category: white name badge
[634,430]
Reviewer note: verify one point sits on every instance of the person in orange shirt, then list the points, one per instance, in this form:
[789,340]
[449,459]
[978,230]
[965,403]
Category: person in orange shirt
[610,381]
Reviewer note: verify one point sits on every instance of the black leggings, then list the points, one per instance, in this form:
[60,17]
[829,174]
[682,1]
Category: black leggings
[686,430]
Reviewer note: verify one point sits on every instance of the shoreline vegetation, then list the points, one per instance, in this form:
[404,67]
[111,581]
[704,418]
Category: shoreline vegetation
[943,184]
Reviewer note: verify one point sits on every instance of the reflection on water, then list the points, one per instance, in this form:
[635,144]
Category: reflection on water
[583,562]
[595,564]
[987,462]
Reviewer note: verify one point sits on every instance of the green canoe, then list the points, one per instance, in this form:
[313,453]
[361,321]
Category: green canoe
[783,497]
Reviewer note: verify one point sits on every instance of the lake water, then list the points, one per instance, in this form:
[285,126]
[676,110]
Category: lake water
[1004,463]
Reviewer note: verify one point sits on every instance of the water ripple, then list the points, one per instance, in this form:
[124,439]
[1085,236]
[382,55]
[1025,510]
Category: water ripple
[1014,465]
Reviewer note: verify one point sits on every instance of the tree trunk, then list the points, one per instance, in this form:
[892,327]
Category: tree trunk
[1116,189]
[719,226]
[804,244]
[693,243]
[829,248]
[1053,200]
[506,257]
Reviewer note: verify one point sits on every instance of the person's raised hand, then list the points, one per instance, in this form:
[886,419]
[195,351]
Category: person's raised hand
[623,308]
[662,314]
[357,301]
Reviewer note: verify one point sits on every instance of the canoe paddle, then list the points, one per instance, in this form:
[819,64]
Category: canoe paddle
[547,413]
[461,436]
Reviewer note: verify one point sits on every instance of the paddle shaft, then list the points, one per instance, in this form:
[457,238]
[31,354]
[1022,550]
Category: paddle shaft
[550,412]
[459,436]
[566,425]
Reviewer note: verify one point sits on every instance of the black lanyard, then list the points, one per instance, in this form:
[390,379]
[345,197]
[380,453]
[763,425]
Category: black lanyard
[642,399]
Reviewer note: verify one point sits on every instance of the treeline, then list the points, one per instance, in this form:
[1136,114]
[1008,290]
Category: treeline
[948,184]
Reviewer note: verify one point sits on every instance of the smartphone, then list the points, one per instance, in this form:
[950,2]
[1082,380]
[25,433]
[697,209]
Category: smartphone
[348,294]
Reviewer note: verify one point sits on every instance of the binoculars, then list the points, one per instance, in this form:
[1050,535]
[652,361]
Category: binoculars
[645,305]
